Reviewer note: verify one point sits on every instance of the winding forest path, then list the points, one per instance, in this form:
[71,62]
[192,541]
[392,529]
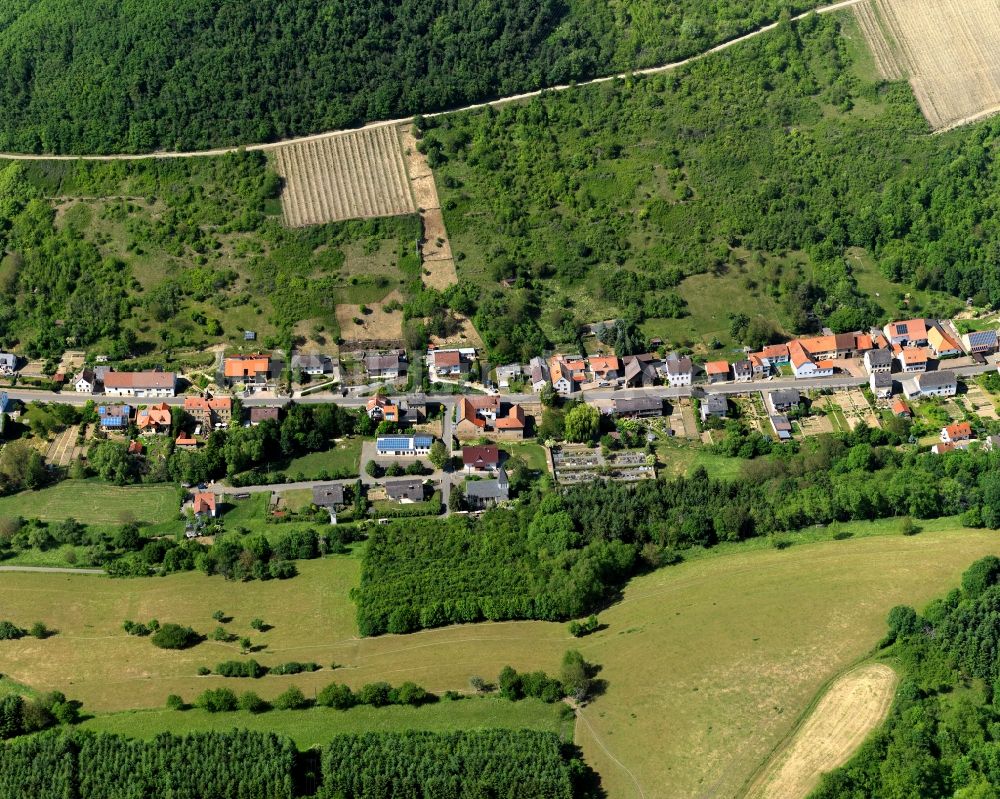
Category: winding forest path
[839,6]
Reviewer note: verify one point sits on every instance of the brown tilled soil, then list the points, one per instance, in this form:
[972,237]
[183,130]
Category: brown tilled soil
[950,49]
[855,704]
[377,324]
[465,337]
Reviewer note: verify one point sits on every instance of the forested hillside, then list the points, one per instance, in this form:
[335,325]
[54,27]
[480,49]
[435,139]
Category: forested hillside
[106,76]
[942,738]
[764,165]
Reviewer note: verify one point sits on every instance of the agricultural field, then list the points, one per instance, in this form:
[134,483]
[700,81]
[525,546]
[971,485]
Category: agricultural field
[709,664]
[358,174]
[949,51]
[853,706]
[91,502]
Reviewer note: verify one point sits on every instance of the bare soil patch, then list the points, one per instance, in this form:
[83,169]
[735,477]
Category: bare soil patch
[949,50]
[345,176]
[855,704]
[377,325]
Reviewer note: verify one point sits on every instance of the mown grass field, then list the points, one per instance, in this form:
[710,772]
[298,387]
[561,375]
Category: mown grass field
[709,663]
[94,503]
[344,457]
[315,726]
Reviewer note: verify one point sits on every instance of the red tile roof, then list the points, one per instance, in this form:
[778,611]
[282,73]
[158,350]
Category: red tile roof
[204,502]
[482,456]
[514,420]
[246,365]
[717,367]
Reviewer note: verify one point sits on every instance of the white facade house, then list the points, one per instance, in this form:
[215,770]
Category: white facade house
[878,361]
[85,382]
[505,374]
[881,384]
[140,384]
[931,384]
[403,446]
[8,363]
[538,374]
[679,371]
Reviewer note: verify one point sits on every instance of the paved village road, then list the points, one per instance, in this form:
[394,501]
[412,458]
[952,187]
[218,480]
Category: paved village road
[839,6]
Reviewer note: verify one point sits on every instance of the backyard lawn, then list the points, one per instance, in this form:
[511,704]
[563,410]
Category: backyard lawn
[342,460]
[92,502]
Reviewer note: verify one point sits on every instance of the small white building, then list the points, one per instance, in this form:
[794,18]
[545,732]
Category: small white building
[881,384]
[679,370]
[403,446]
[85,382]
[878,361]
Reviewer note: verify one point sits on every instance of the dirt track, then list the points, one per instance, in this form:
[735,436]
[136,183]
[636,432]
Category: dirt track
[498,102]
[853,706]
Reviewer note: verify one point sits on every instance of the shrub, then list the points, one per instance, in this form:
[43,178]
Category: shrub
[376,694]
[240,668]
[204,671]
[291,699]
[10,631]
[174,702]
[252,703]
[410,694]
[337,696]
[257,624]
[174,636]
[294,667]
[218,700]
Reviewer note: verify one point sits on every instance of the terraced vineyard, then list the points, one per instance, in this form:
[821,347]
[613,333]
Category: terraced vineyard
[345,176]
[950,49]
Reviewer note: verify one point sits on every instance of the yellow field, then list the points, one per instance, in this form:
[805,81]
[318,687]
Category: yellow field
[709,664]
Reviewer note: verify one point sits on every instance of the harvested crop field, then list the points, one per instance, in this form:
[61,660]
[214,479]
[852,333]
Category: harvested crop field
[344,176]
[854,705]
[948,49]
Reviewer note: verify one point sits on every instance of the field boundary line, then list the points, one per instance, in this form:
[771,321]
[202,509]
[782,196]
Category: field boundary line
[600,743]
[495,103]
[804,717]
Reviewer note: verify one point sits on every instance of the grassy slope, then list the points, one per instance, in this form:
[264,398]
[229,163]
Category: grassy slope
[708,663]
[94,503]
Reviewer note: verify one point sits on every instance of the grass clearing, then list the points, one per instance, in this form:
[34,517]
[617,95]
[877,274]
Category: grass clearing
[531,453]
[343,458]
[709,663]
[315,726]
[94,503]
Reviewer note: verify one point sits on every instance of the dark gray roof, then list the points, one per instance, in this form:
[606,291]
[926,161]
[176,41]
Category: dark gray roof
[639,405]
[780,423]
[311,361]
[326,495]
[488,489]
[936,379]
[785,396]
[677,366]
[405,489]
[378,363]
[880,357]
[742,367]
[881,380]
[714,403]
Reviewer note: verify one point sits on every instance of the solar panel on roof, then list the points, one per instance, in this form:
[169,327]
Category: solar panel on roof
[902,328]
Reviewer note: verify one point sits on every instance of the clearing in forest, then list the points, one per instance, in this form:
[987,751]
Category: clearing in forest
[948,49]
[359,174]
[853,706]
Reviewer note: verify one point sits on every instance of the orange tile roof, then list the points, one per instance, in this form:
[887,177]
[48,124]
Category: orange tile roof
[184,440]
[153,415]
[916,329]
[914,355]
[600,364]
[797,354]
[246,365]
[514,420]
[775,351]
[140,380]
[204,502]
[717,367]
[959,430]
[899,406]
[467,413]
[447,358]
[825,364]
[818,343]
[941,341]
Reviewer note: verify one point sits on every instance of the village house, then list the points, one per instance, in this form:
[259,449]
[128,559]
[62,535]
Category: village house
[717,371]
[605,369]
[878,361]
[508,374]
[376,405]
[513,424]
[881,384]
[203,505]
[316,365]
[641,373]
[140,384]
[742,371]
[248,370]
[388,366]
[679,371]
[913,359]
[403,446]
[330,497]
[482,494]
[959,431]
[638,407]
[406,491]
[901,409]
[713,405]
[186,441]
[538,374]
[114,417]
[941,343]
[260,413]
[480,458]
[154,420]
[772,357]
[209,412]
[562,380]
[781,426]
[931,384]
[803,366]
[910,333]
[783,399]
[475,414]
[941,448]
[449,364]
[85,381]
[8,363]
[980,342]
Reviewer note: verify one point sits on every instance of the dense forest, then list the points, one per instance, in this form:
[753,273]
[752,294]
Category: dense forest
[942,737]
[239,764]
[779,146]
[559,554]
[107,76]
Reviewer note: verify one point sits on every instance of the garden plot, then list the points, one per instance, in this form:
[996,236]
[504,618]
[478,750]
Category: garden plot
[948,49]
[581,465]
[980,403]
[855,407]
[352,175]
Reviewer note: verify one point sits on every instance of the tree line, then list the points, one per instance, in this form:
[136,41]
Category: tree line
[942,737]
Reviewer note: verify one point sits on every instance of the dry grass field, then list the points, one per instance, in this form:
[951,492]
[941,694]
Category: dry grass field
[709,664]
[346,176]
[376,325]
[854,705]
[948,49]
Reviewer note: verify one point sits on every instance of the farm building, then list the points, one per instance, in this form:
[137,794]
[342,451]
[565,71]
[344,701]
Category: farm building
[140,384]
[981,342]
